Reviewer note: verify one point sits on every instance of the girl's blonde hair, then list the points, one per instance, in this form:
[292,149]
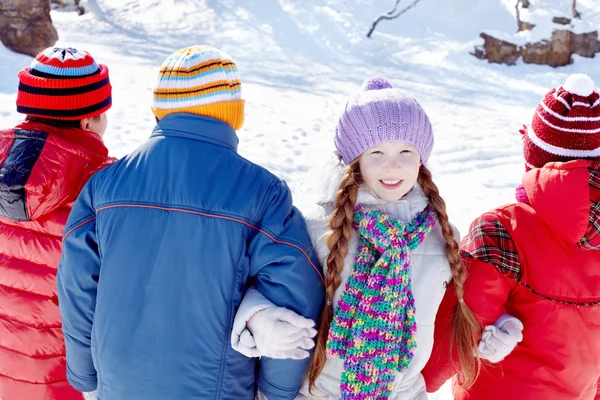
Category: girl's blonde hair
[465,329]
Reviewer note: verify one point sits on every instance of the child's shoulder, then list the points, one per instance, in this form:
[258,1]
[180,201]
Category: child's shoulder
[318,214]
[317,220]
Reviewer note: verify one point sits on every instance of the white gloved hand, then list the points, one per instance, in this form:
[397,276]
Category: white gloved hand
[500,339]
[90,395]
[279,333]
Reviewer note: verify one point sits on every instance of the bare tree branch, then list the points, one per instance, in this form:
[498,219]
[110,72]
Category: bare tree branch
[574,12]
[518,15]
[395,7]
[390,15]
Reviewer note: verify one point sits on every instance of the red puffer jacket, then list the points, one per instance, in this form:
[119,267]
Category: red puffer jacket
[42,170]
[538,260]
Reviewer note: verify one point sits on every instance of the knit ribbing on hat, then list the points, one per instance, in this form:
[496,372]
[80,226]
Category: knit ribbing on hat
[565,126]
[200,80]
[380,114]
[65,84]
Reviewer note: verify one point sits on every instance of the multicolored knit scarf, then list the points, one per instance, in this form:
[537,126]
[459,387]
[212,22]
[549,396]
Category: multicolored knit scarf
[374,327]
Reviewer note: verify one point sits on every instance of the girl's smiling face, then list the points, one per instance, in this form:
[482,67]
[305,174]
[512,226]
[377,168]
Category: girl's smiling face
[390,169]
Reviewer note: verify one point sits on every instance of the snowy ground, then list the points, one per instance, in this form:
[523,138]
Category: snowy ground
[300,59]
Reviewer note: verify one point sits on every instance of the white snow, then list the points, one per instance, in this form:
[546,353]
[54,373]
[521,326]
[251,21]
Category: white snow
[299,60]
[540,13]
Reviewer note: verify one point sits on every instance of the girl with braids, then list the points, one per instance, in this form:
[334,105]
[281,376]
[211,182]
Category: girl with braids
[388,249]
[539,260]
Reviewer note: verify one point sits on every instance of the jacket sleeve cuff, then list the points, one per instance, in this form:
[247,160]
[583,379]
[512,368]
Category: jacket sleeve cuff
[80,384]
[252,303]
[273,392]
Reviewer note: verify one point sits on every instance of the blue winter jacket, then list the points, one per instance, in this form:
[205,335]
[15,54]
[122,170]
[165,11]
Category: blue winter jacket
[158,252]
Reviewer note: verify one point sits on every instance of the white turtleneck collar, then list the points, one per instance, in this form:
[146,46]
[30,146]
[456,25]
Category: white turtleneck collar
[405,209]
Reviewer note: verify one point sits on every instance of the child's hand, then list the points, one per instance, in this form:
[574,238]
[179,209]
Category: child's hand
[279,333]
[90,395]
[260,396]
[500,339]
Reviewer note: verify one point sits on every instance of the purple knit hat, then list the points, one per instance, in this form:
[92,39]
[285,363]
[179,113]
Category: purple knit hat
[379,114]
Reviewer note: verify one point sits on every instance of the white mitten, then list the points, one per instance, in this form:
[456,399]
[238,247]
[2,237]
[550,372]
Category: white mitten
[252,303]
[280,333]
[500,339]
[90,395]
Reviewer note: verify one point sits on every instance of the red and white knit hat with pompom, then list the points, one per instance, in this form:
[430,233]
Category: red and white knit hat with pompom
[565,126]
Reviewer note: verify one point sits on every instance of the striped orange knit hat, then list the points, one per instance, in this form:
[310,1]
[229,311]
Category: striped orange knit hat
[565,126]
[64,83]
[200,80]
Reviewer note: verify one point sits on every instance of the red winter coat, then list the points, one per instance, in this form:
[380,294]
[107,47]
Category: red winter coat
[541,263]
[42,170]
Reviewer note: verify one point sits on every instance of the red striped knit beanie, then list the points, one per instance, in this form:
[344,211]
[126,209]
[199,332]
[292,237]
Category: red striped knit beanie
[566,125]
[64,83]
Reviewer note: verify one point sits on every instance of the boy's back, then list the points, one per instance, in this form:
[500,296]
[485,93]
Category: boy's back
[539,261]
[161,247]
[44,163]
[183,226]
[42,170]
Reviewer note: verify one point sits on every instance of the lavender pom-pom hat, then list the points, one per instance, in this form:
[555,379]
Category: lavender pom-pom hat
[380,113]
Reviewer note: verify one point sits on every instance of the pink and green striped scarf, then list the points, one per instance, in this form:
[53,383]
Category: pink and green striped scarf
[374,327]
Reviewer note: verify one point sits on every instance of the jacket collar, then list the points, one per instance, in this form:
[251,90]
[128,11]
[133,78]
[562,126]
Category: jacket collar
[196,127]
